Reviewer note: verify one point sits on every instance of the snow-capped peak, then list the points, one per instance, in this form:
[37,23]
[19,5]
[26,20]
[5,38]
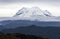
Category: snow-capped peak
[47,13]
[21,11]
[34,11]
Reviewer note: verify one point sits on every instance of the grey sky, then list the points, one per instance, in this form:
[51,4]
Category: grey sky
[10,7]
[53,2]
[28,0]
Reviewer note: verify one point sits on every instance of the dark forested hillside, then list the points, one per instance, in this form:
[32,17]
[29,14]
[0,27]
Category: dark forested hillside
[50,32]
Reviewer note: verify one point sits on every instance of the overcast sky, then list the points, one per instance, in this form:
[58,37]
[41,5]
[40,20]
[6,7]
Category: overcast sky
[25,0]
[9,7]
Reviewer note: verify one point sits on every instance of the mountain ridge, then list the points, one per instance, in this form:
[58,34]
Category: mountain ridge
[33,11]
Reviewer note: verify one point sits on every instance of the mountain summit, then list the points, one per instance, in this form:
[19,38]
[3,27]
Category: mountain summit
[34,11]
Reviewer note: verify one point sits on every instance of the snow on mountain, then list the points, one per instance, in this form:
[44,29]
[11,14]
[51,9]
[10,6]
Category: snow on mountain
[21,11]
[32,12]
[47,13]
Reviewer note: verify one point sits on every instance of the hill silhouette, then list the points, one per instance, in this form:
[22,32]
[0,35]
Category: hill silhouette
[51,32]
